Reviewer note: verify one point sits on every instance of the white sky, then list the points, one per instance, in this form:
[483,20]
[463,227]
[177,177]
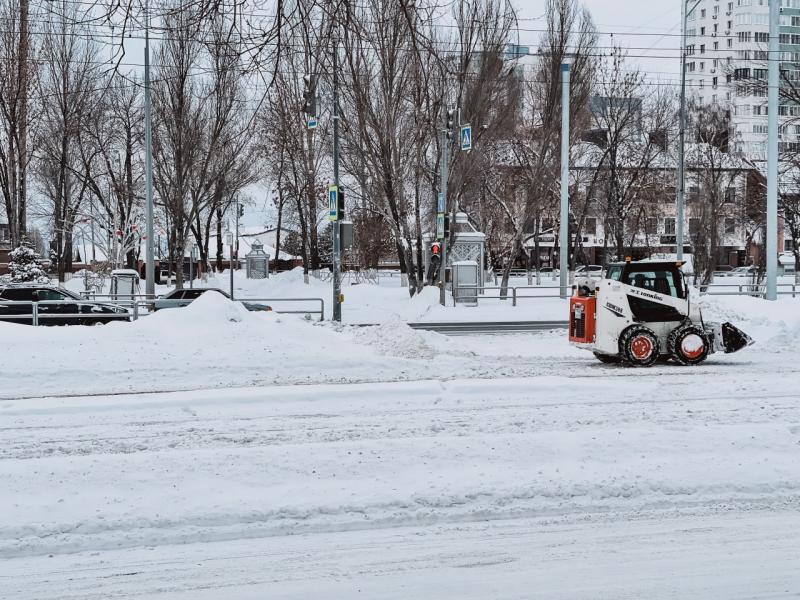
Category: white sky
[648,28]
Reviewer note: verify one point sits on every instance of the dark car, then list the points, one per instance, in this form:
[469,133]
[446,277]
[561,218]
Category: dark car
[55,307]
[179,298]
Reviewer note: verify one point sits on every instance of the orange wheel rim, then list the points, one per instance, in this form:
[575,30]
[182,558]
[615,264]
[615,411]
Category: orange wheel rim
[641,347]
[692,346]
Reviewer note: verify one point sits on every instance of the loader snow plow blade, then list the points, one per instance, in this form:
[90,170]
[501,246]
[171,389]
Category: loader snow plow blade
[734,339]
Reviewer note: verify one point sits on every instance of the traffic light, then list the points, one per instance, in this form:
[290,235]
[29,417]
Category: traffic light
[310,95]
[447,226]
[450,121]
[341,203]
[241,210]
[436,249]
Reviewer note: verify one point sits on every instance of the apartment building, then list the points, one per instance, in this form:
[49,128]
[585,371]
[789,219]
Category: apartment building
[727,64]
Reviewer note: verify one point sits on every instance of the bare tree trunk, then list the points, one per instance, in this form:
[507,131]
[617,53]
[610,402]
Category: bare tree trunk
[220,246]
[22,132]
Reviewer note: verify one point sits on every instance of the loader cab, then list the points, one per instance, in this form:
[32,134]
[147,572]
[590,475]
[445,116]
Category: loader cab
[661,277]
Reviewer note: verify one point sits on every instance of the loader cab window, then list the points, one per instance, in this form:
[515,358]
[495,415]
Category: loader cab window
[655,278]
[614,272]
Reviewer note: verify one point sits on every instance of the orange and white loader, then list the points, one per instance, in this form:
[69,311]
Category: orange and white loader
[641,312]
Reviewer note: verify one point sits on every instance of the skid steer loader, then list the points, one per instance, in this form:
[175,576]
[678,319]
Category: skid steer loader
[641,312]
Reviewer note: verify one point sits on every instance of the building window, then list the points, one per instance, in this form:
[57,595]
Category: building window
[730,226]
[743,36]
[669,226]
[702,31]
[762,37]
[716,47]
[714,81]
[702,48]
[651,225]
[788,246]
[730,194]
[590,226]
[730,42]
[694,225]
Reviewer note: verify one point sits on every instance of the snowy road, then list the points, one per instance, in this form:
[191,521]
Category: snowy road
[595,482]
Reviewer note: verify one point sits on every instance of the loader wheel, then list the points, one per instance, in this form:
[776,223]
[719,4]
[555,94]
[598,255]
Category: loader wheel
[638,345]
[608,359]
[688,345]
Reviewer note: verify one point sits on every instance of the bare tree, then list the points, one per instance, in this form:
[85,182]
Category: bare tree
[535,150]
[717,171]
[69,80]
[18,73]
[201,141]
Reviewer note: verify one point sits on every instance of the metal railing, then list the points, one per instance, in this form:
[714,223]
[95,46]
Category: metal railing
[143,300]
[474,293]
[36,313]
[136,305]
[757,290]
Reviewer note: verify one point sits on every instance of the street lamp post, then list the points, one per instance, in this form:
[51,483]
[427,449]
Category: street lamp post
[563,233]
[772,151]
[680,201]
[150,275]
[229,240]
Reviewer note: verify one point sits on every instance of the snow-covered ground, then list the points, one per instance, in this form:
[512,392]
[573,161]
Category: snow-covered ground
[209,452]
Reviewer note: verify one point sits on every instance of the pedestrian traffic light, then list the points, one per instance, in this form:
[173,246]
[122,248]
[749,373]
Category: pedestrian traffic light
[450,120]
[310,95]
[436,248]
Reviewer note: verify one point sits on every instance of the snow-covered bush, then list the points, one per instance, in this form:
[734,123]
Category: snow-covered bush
[24,266]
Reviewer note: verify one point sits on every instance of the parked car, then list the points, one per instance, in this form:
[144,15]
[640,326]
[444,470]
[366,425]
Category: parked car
[548,271]
[743,271]
[74,310]
[179,298]
[589,271]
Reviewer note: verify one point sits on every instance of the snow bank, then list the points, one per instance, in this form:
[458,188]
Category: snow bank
[774,326]
[395,338]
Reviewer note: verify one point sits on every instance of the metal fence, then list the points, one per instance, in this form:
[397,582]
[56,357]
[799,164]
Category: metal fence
[39,312]
[137,305]
[464,293]
[757,290]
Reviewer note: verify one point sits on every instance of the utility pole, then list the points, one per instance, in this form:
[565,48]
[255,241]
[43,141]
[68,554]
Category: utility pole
[229,240]
[680,201]
[337,264]
[772,151]
[447,132]
[91,213]
[150,275]
[238,209]
[563,233]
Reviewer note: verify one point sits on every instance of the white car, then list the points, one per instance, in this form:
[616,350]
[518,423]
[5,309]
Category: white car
[589,271]
[743,272]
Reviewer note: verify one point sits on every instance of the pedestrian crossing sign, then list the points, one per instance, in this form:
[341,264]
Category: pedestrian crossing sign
[466,137]
[333,203]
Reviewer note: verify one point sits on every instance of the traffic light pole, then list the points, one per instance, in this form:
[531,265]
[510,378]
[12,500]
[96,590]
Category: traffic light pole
[150,274]
[337,250]
[443,191]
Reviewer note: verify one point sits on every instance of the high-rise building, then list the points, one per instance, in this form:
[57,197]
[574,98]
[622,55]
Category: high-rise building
[727,63]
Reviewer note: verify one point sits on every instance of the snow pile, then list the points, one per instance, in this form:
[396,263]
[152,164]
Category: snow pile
[774,326]
[395,338]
